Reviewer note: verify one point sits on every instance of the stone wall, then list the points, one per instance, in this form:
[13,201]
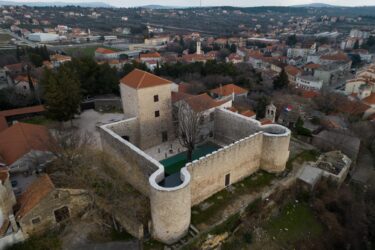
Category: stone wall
[239,159]
[128,128]
[135,166]
[230,127]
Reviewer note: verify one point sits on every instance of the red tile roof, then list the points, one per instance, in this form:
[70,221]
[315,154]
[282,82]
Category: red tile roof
[34,194]
[20,139]
[291,70]
[203,102]
[248,113]
[104,51]
[312,66]
[138,79]
[265,121]
[150,55]
[370,100]
[335,57]
[228,89]
[22,111]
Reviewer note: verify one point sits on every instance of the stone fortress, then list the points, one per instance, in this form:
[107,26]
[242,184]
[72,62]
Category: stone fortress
[246,147]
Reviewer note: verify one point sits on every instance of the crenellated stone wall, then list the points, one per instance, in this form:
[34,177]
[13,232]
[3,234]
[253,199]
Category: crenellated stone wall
[239,159]
[250,147]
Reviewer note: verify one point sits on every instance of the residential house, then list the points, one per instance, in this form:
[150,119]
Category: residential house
[292,73]
[228,91]
[43,205]
[25,147]
[23,86]
[58,59]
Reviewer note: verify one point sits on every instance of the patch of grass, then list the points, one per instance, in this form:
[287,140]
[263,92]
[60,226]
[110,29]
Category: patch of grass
[153,245]
[49,241]
[38,120]
[307,155]
[295,222]
[220,200]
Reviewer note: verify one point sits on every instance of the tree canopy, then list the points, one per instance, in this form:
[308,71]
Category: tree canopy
[281,80]
[62,93]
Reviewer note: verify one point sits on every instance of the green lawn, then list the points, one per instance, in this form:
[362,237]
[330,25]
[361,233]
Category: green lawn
[175,163]
[307,155]
[222,199]
[39,120]
[295,222]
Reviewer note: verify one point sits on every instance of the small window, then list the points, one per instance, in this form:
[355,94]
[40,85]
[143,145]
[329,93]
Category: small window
[61,214]
[157,113]
[212,116]
[35,221]
[201,120]
[125,137]
[156,98]
[227,180]
[211,134]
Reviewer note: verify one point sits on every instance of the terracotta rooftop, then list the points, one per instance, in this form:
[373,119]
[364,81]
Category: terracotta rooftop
[14,67]
[311,66]
[292,70]
[104,51]
[178,96]
[228,89]
[370,100]
[265,121]
[138,79]
[21,111]
[34,194]
[335,57]
[203,102]
[248,113]
[150,55]
[20,139]
[58,57]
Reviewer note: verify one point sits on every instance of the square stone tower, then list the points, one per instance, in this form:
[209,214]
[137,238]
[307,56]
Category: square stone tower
[148,97]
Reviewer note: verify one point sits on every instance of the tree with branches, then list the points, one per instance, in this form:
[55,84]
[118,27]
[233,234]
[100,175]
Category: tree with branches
[188,127]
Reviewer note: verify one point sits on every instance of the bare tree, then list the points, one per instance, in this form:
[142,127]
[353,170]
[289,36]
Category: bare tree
[188,127]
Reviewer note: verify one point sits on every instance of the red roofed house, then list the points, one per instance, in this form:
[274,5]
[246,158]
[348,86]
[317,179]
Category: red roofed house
[204,105]
[24,147]
[292,73]
[228,90]
[106,54]
[58,59]
[42,205]
[22,85]
[147,99]
[146,57]
[234,58]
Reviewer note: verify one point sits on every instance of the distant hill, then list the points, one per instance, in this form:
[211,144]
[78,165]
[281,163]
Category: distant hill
[58,4]
[160,7]
[317,5]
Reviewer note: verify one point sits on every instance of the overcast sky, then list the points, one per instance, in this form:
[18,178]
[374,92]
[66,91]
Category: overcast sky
[243,3]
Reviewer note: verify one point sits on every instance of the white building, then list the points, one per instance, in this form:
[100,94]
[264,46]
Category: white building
[309,82]
[44,37]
